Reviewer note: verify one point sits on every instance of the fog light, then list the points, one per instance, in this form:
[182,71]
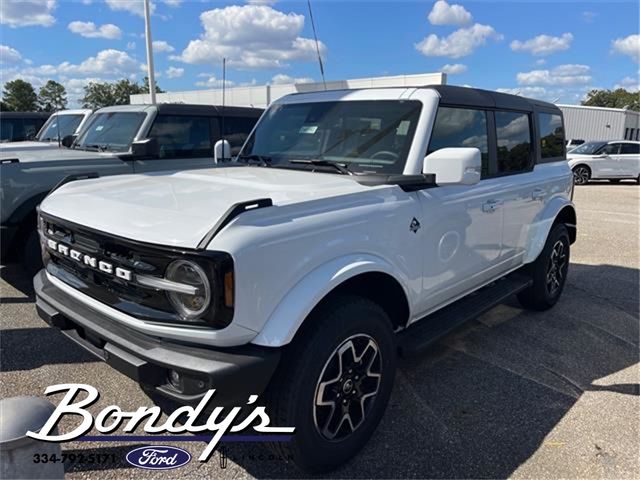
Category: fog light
[175,379]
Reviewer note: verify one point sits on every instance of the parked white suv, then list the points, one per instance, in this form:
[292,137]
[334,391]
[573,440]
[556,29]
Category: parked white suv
[356,226]
[613,161]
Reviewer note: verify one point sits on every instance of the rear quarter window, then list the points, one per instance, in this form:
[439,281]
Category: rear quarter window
[552,137]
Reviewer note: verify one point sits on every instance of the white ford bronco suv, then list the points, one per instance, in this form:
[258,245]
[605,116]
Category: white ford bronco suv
[358,224]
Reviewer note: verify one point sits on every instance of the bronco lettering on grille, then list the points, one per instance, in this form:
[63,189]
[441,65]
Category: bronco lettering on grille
[90,261]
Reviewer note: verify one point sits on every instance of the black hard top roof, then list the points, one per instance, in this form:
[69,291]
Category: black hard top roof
[25,114]
[475,97]
[191,109]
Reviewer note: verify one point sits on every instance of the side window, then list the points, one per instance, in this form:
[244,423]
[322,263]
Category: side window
[461,127]
[630,149]
[182,136]
[513,139]
[236,131]
[610,149]
[551,136]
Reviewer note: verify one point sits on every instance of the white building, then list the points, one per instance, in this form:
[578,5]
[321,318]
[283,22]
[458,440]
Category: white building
[598,123]
[263,95]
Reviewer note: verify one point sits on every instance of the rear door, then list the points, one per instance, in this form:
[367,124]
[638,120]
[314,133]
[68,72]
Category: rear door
[628,159]
[185,141]
[605,162]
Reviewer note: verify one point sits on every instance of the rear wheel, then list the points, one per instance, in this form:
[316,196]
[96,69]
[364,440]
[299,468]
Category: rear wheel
[548,272]
[581,175]
[334,383]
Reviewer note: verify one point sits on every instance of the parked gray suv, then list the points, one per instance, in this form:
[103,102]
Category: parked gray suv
[117,140]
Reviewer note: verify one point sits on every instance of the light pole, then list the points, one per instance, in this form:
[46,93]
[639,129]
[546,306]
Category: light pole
[147,32]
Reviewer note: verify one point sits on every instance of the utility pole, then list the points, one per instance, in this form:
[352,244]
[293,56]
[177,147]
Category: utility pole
[147,32]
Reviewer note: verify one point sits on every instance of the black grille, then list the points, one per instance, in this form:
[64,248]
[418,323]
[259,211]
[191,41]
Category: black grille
[128,296]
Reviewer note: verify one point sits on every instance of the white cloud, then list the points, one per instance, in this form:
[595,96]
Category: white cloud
[212,82]
[589,16]
[444,14]
[174,72]
[629,83]
[250,37]
[281,79]
[541,61]
[109,62]
[454,68]
[135,7]
[261,2]
[160,46]
[628,46]
[9,55]
[460,43]
[131,45]
[543,44]
[173,3]
[89,30]
[568,74]
[26,13]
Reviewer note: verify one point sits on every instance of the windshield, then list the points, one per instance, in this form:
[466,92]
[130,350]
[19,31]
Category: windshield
[112,132]
[588,148]
[58,127]
[363,136]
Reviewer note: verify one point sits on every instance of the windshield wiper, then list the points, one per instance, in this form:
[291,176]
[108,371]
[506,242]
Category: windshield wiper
[343,168]
[263,159]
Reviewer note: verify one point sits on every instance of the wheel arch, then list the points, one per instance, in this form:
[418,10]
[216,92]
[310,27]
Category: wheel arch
[371,277]
[559,210]
[24,218]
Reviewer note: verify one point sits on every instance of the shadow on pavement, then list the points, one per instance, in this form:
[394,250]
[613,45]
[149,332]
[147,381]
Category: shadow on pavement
[29,348]
[481,402]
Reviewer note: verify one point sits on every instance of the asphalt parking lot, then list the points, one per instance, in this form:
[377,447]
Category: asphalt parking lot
[512,394]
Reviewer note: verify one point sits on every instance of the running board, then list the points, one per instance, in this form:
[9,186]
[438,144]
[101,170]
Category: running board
[425,332]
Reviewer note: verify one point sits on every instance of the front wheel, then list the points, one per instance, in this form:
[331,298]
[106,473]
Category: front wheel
[548,272]
[581,175]
[334,383]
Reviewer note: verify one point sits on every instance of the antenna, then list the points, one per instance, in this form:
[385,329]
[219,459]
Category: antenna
[224,82]
[315,36]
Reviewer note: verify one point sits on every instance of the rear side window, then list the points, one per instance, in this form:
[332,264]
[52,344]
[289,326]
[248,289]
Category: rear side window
[182,136]
[236,131]
[630,148]
[461,127]
[513,138]
[552,136]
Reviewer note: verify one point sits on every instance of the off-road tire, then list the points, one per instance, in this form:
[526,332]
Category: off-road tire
[292,395]
[539,296]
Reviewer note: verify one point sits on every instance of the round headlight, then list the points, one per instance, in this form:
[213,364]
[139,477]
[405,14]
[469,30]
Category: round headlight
[189,305]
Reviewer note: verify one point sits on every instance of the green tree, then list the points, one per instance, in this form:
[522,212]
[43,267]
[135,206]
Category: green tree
[19,96]
[98,95]
[619,98]
[145,86]
[52,96]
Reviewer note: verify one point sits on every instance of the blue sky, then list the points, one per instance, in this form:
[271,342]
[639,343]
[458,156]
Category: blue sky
[550,50]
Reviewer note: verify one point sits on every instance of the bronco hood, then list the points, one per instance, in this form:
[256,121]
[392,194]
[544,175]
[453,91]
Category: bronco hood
[179,208]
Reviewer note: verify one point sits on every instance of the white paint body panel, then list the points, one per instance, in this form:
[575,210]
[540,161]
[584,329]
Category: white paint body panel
[325,228]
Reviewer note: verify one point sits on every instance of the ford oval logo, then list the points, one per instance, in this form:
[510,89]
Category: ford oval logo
[158,458]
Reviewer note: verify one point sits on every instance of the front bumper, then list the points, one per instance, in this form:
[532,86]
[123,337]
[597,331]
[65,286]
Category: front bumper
[235,373]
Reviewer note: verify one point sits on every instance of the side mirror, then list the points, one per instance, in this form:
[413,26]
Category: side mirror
[454,166]
[68,140]
[221,151]
[147,147]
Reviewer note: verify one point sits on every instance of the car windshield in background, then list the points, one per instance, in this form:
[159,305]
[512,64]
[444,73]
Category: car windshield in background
[363,136]
[58,127]
[110,132]
[588,148]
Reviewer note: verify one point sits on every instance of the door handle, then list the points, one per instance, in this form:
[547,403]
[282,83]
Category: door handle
[491,206]
[538,193]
